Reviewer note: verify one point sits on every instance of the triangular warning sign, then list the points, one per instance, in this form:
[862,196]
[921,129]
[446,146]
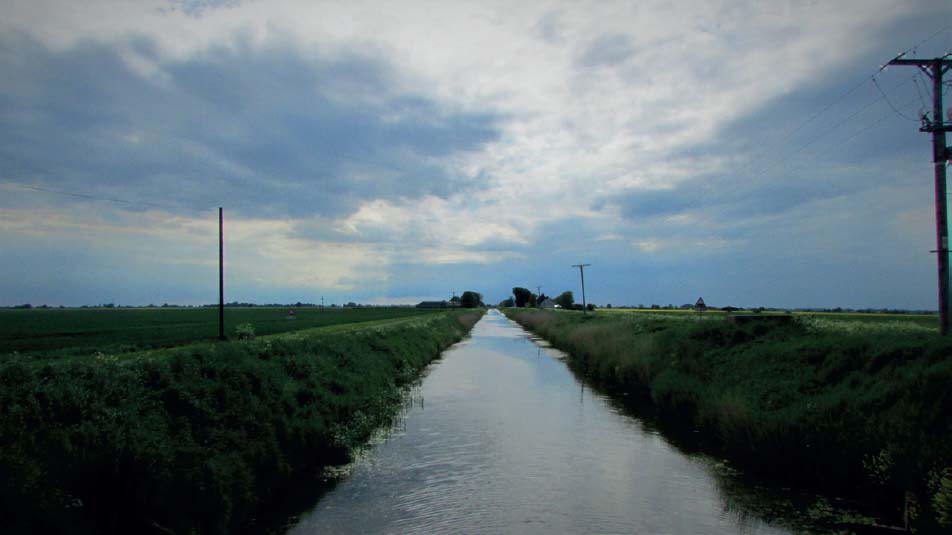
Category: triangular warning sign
[700,303]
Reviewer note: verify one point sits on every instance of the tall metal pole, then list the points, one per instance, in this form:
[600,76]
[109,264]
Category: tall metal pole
[581,271]
[221,278]
[941,211]
[935,68]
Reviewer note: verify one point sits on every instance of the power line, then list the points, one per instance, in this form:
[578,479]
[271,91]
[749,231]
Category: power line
[856,87]
[761,155]
[786,157]
[87,196]
[919,90]
[832,128]
[899,113]
[814,158]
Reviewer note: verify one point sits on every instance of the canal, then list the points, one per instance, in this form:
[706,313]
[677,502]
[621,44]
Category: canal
[500,437]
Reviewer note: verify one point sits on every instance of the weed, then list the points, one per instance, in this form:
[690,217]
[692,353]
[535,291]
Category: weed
[193,439]
[859,406]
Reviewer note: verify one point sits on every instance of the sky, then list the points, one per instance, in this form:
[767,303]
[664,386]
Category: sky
[751,153]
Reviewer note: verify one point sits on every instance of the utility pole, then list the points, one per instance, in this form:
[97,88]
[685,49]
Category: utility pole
[538,290]
[221,278]
[935,68]
[581,271]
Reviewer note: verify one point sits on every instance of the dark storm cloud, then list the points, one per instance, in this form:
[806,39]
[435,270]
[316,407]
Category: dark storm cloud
[785,155]
[720,197]
[262,130]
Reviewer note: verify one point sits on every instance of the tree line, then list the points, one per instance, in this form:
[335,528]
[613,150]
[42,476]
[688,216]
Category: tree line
[523,297]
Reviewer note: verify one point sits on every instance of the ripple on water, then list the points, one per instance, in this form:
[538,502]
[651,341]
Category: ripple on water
[509,442]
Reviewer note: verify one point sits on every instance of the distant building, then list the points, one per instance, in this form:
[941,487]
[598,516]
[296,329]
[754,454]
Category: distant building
[548,303]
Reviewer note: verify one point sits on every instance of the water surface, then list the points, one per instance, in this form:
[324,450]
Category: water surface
[502,438]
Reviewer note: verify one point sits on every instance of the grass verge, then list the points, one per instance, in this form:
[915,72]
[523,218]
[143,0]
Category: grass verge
[197,439]
[863,412]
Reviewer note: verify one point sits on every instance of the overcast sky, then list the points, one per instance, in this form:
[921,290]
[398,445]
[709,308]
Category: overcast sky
[390,152]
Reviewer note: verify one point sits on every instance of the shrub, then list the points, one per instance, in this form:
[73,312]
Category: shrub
[245,331]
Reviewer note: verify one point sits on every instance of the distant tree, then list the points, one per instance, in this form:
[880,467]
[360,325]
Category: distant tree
[590,307]
[455,299]
[565,299]
[522,296]
[608,305]
[471,300]
[507,302]
[533,300]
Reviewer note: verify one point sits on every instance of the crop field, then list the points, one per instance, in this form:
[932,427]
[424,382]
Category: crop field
[205,437]
[825,321]
[67,332]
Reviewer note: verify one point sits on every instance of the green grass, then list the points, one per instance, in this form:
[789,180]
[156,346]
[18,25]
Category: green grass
[832,320]
[113,330]
[865,409]
[198,438]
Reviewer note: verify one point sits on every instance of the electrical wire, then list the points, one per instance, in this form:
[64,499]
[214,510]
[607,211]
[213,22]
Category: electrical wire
[922,101]
[784,158]
[813,117]
[815,157]
[115,200]
[895,109]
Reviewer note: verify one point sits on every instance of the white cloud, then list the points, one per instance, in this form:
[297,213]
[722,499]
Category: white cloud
[596,100]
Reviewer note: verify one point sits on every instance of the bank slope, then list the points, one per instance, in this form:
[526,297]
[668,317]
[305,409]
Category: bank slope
[869,412]
[197,438]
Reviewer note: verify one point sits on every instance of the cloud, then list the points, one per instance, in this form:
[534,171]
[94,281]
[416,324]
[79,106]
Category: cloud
[417,145]
[263,130]
[195,8]
[607,50]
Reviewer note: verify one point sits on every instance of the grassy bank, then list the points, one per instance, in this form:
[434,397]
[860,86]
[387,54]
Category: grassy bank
[83,331]
[869,412]
[196,438]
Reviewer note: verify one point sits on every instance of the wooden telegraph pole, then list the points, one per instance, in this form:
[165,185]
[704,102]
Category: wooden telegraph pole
[221,279]
[581,271]
[935,68]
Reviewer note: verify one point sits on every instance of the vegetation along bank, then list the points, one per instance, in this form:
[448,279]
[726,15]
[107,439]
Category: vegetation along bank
[864,412]
[200,437]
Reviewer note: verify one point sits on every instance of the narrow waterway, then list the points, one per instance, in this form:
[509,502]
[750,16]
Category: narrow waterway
[502,438]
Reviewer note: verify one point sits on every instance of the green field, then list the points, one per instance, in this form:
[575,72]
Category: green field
[66,332]
[202,437]
[836,321]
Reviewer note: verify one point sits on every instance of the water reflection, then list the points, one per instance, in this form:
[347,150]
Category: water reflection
[509,441]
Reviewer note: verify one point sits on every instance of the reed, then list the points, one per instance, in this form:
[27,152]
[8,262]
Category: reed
[195,439]
[854,410]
